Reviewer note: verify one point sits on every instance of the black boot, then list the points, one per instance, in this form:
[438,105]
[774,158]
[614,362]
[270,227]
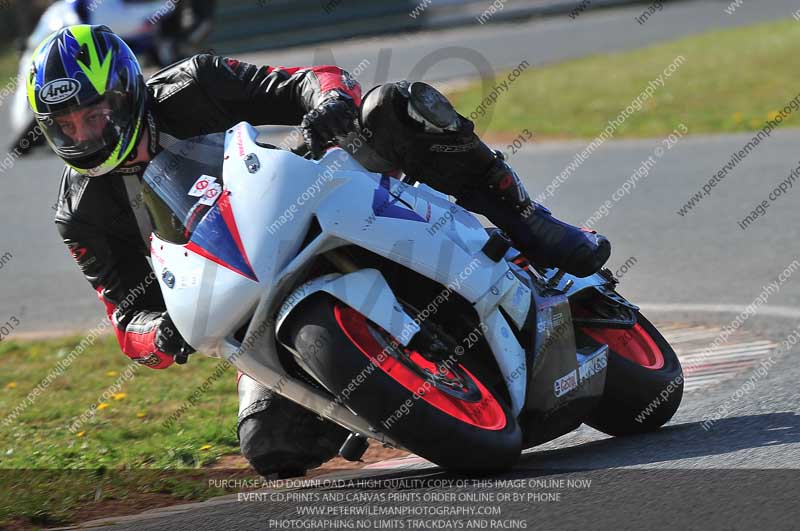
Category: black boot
[279,437]
[543,239]
[414,127]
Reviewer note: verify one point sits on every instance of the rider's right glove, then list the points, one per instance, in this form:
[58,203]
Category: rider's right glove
[169,341]
[333,118]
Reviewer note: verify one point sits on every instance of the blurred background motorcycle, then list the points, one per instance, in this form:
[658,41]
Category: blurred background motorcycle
[159,32]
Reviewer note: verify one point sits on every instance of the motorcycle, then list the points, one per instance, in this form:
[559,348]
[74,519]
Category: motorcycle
[138,23]
[385,308]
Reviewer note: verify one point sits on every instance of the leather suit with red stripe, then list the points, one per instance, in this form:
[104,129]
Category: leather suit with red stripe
[200,95]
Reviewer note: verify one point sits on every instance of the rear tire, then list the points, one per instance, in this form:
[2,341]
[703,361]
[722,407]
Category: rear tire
[641,393]
[340,357]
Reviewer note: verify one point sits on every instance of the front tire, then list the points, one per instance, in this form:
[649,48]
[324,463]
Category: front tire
[468,431]
[644,380]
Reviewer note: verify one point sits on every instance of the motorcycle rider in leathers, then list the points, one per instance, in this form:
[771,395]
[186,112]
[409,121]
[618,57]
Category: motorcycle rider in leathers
[100,116]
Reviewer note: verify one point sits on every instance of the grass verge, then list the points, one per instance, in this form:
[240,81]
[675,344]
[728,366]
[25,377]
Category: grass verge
[731,80]
[9,61]
[48,471]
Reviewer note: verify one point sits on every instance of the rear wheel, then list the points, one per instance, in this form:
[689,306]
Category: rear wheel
[644,380]
[437,409]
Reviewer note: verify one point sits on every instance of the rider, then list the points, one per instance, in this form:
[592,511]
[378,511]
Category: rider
[100,116]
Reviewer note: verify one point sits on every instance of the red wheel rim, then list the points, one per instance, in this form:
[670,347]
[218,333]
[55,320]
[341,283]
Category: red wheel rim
[634,344]
[485,413]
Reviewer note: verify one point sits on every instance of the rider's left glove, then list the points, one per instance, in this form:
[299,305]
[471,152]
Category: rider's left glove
[335,117]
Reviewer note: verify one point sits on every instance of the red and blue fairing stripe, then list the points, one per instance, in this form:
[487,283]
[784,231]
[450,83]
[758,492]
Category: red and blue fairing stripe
[217,239]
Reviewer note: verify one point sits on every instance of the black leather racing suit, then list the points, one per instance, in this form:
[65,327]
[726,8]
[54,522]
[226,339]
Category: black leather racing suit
[97,216]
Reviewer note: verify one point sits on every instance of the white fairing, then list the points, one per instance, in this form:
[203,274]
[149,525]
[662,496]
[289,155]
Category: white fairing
[274,203]
[367,292]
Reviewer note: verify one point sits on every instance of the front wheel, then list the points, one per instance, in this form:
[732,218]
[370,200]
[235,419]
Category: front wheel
[441,412]
[644,380]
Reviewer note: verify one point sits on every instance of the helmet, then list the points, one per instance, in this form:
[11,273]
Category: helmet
[87,93]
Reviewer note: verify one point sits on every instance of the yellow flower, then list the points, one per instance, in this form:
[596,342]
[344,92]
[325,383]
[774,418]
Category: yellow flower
[118,396]
[737,116]
[112,373]
[141,415]
[81,434]
[11,385]
[102,406]
[772,115]
[205,447]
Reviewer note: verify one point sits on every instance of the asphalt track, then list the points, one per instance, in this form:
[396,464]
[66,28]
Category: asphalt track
[700,268]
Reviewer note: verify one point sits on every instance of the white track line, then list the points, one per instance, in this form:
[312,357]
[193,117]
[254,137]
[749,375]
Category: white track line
[789,312]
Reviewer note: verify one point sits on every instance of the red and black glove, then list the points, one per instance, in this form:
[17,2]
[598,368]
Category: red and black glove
[169,341]
[331,119]
[148,338]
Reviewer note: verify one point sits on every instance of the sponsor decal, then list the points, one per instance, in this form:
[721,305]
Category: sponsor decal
[575,378]
[558,319]
[593,366]
[168,278]
[189,280]
[239,137]
[151,122]
[207,189]
[566,383]
[549,320]
[59,90]
[457,148]
[154,254]
[129,170]
[150,361]
[545,318]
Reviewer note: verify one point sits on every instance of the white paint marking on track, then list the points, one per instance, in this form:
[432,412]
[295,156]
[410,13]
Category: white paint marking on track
[789,312]
[704,366]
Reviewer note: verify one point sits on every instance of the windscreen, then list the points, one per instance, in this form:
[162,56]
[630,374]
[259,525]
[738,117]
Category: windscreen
[182,184]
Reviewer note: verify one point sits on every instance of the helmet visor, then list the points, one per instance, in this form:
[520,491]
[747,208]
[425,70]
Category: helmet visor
[86,135]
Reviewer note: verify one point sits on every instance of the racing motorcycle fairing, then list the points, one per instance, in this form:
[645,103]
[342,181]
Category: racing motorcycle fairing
[233,249]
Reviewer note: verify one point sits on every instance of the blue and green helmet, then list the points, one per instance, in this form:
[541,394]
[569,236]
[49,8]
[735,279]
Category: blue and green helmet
[87,93]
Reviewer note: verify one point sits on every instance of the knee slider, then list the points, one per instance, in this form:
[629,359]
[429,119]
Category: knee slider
[415,107]
[433,110]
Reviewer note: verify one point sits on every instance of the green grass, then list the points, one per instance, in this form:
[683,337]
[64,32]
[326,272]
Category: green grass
[731,81]
[126,435]
[9,61]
